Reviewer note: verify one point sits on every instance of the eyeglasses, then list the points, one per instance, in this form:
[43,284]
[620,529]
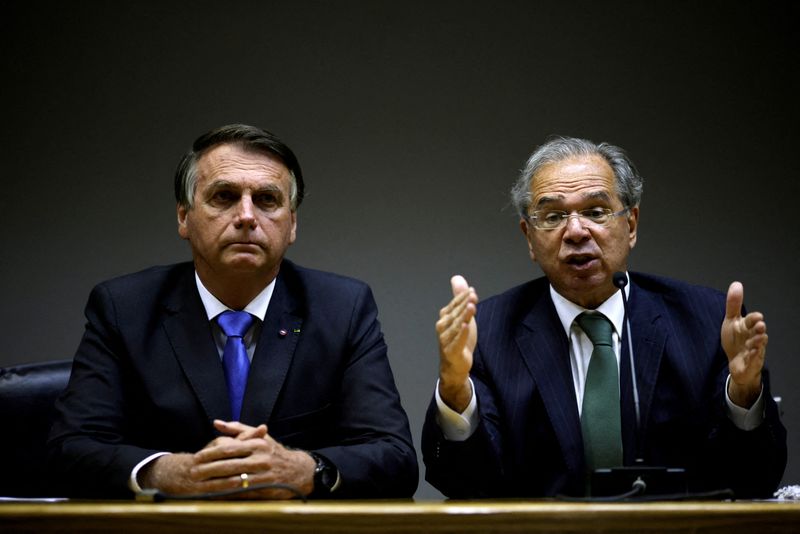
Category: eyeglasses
[555,219]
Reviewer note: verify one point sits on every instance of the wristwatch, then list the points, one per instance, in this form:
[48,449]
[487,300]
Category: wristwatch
[325,475]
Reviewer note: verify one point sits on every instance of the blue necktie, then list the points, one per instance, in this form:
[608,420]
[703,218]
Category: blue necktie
[234,358]
[600,417]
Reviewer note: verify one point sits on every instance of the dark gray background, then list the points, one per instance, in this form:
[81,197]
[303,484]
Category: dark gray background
[411,120]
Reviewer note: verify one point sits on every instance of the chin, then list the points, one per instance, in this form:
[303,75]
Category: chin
[245,265]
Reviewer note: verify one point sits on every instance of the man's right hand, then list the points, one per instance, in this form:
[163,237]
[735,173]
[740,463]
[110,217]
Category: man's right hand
[458,335]
[218,466]
[171,474]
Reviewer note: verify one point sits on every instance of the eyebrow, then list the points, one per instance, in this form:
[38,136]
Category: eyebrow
[594,195]
[226,184]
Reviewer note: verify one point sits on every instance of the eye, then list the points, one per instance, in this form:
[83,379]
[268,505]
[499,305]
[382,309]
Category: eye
[223,196]
[551,218]
[267,200]
[596,214]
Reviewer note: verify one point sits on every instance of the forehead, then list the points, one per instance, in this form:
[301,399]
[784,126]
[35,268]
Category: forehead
[237,164]
[572,178]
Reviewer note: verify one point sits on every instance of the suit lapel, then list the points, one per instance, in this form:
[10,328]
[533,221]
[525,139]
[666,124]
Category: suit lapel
[188,330]
[649,332]
[545,350]
[276,346]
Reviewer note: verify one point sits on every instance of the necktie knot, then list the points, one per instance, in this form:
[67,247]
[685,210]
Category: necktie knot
[597,327]
[233,323]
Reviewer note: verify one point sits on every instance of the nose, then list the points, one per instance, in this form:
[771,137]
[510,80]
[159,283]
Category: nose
[245,214]
[574,229]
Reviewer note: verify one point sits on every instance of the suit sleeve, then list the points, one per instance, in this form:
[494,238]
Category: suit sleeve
[87,448]
[373,451]
[471,468]
[750,462]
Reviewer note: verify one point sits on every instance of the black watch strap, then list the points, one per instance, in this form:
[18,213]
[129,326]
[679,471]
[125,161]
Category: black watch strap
[325,475]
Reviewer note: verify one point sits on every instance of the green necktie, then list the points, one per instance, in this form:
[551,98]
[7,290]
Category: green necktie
[600,417]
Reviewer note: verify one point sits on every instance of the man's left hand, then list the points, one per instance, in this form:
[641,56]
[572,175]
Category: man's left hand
[744,340]
[251,450]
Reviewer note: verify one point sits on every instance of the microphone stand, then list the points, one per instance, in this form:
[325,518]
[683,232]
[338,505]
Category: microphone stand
[625,482]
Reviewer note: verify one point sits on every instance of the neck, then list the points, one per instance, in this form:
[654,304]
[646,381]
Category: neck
[235,290]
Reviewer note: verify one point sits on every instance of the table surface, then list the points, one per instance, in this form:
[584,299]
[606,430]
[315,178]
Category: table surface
[754,517]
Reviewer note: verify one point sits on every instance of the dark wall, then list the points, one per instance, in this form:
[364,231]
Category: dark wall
[411,120]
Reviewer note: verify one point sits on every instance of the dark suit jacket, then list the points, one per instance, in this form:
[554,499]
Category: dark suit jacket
[529,440]
[147,377]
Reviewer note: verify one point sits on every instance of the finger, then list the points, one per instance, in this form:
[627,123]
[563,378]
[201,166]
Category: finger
[757,342]
[223,448]
[451,327]
[460,339]
[253,433]
[225,473]
[240,430]
[230,428]
[456,301]
[754,321]
[458,284]
[734,300]
[460,313]
[455,316]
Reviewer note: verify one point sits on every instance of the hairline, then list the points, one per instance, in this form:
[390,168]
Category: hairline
[190,183]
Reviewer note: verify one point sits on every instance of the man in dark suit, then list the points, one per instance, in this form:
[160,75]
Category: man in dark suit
[520,372]
[165,394]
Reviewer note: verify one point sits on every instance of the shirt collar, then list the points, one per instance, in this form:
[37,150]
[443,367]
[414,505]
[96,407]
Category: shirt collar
[257,306]
[612,308]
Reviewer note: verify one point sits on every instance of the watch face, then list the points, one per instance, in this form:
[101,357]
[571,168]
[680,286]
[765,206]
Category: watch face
[324,474]
[328,477]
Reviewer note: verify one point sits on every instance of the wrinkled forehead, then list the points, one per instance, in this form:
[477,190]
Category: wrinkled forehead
[234,161]
[573,179]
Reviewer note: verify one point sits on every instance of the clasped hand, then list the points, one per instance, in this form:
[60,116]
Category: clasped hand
[219,465]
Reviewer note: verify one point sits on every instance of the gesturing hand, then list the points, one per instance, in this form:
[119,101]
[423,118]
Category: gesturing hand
[458,335]
[744,340]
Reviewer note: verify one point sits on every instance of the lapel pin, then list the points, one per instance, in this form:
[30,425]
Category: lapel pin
[282,332]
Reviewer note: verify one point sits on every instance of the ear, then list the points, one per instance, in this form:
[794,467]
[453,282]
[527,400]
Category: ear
[633,225]
[527,230]
[293,234]
[183,213]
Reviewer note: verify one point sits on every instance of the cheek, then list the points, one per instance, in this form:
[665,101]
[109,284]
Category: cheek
[543,250]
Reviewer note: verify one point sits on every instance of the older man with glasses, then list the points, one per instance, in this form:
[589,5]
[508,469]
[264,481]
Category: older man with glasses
[550,383]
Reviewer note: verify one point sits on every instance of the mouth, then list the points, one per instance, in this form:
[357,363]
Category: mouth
[244,244]
[581,261]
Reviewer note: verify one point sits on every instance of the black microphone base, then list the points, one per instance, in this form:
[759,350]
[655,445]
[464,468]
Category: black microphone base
[619,480]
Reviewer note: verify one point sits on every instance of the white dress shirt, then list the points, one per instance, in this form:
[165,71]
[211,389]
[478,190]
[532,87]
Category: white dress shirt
[460,426]
[256,307]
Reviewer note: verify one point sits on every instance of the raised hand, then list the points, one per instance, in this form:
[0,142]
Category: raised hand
[744,340]
[458,335]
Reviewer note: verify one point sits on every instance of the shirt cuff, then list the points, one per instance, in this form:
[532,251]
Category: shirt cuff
[457,426]
[743,418]
[133,483]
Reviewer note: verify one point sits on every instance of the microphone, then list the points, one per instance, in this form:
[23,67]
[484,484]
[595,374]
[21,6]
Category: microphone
[621,280]
[617,483]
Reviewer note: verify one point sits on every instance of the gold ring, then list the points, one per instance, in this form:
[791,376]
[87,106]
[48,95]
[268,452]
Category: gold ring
[245,481]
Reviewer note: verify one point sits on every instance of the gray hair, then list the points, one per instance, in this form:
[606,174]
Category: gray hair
[629,182]
[249,137]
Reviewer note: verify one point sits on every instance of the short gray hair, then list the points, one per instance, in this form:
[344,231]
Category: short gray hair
[629,182]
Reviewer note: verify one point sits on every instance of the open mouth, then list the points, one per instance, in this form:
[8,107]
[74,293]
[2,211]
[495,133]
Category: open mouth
[580,260]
